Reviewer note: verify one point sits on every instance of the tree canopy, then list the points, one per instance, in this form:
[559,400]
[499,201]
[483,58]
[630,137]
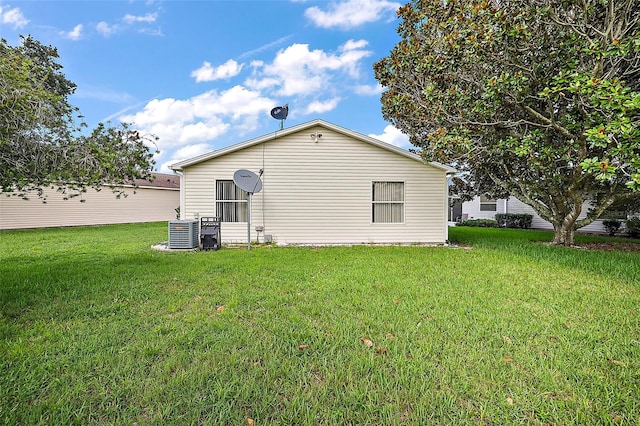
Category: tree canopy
[40,143]
[539,99]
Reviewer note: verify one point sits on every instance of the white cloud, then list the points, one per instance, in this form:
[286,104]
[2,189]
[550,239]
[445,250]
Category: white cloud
[201,118]
[13,17]
[351,13]
[148,18]
[298,71]
[105,29]
[75,34]
[353,45]
[318,107]
[209,73]
[366,90]
[185,153]
[193,150]
[393,136]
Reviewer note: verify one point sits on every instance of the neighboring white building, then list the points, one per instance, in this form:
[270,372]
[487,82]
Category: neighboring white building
[153,201]
[485,208]
[322,184]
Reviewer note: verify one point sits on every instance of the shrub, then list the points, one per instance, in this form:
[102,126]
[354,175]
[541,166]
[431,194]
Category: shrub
[514,220]
[633,227]
[482,223]
[611,226]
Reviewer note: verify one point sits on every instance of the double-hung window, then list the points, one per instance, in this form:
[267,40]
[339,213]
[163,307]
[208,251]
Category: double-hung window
[231,202]
[387,202]
[618,213]
[488,204]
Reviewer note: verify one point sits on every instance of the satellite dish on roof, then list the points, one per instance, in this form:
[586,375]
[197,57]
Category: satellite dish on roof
[280,113]
[247,181]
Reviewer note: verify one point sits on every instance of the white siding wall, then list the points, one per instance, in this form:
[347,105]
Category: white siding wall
[99,208]
[513,205]
[472,209]
[517,206]
[320,193]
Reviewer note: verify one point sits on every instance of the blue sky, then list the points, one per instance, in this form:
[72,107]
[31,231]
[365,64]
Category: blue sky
[202,75]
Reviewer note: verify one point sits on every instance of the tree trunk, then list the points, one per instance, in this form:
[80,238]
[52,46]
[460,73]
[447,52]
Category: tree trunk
[564,233]
[564,224]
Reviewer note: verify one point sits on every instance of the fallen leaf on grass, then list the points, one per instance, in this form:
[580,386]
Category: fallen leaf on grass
[381,351]
[507,359]
[396,301]
[368,343]
[220,308]
[510,401]
[303,347]
[389,336]
[250,422]
[507,339]
[198,297]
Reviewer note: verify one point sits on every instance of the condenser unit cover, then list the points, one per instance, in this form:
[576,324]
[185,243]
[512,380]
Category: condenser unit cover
[183,234]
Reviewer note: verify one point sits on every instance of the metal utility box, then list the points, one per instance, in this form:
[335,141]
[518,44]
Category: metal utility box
[183,234]
[210,233]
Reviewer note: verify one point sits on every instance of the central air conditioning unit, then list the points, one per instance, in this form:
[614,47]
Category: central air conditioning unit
[183,234]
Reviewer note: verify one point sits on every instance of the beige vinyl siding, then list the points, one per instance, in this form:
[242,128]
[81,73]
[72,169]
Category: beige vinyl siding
[99,208]
[320,193]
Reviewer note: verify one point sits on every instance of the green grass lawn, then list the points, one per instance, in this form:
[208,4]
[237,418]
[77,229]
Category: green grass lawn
[96,328]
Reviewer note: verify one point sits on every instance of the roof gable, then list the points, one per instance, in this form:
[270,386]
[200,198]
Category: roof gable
[299,128]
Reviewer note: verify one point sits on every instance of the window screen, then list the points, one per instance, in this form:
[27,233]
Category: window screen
[231,202]
[388,202]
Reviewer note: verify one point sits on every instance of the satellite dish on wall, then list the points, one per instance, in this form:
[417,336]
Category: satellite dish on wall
[280,113]
[247,181]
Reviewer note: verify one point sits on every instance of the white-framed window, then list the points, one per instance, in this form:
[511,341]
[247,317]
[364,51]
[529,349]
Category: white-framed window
[231,202]
[387,202]
[488,204]
[614,213]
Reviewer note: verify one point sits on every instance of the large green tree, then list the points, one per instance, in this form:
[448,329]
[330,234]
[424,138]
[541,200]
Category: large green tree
[539,99]
[40,143]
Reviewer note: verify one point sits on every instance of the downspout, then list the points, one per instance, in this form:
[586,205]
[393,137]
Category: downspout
[448,176]
[182,194]
[264,226]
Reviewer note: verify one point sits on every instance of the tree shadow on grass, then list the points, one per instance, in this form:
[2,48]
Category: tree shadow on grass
[35,283]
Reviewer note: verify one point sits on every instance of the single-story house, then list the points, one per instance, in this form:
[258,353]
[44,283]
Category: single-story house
[153,201]
[321,184]
[483,207]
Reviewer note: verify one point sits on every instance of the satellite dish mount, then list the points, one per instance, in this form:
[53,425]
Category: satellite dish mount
[250,183]
[280,113]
